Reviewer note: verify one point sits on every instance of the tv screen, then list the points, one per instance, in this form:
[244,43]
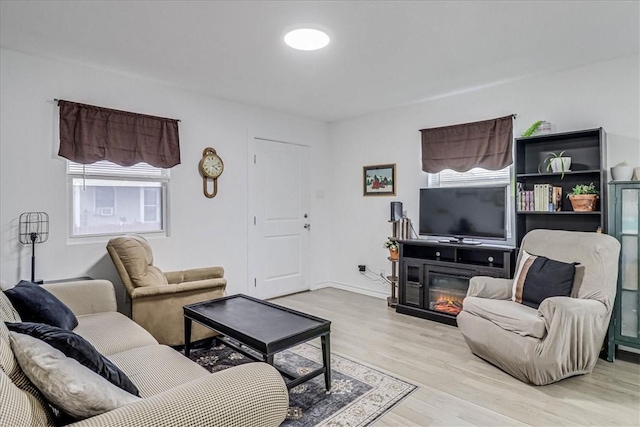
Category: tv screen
[476,212]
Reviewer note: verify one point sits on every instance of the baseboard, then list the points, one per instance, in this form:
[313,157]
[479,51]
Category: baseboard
[350,288]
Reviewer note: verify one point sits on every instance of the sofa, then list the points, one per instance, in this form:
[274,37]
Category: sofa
[175,391]
[157,297]
[564,335]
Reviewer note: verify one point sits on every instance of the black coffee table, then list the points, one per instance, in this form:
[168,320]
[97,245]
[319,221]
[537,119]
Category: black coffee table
[262,326]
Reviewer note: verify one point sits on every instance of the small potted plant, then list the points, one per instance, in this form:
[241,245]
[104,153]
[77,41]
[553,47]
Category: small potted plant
[584,197]
[392,245]
[538,128]
[556,162]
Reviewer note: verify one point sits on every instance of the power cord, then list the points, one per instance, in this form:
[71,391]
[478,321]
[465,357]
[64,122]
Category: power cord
[376,277]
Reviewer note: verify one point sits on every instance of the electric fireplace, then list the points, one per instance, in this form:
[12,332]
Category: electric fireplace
[434,276]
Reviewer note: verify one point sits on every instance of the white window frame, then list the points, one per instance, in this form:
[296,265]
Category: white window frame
[106,171]
[479,177]
[143,205]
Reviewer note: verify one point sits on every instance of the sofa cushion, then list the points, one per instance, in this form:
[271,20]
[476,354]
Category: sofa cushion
[538,278]
[36,304]
[157,368]
[77,348]
[508,315]
[65,383]
[112,332]
[26,403]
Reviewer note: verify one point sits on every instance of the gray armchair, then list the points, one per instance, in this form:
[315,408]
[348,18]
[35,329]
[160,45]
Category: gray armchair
[564,336]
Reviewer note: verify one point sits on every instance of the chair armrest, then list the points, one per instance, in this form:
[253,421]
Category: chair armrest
[248,395]
[575,327]
[85,296]
[147,291]
[567,307]
[194,274]
[490,287]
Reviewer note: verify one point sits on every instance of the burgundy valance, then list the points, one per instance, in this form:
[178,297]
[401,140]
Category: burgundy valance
[89,134]
[486,144]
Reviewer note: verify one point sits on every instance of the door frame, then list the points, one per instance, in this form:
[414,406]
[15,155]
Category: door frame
[252,231]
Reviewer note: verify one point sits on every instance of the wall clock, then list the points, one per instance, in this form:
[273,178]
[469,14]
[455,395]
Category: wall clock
[211,168]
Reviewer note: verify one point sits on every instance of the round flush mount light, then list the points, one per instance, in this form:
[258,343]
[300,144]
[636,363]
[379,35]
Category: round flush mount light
[306,39]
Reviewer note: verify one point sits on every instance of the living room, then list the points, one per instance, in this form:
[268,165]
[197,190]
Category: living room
[573,84]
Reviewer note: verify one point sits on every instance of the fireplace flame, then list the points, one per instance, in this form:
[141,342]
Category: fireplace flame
[448,303]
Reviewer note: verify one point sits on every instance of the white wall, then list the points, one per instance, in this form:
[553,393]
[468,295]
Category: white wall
[204,231]
[604,94]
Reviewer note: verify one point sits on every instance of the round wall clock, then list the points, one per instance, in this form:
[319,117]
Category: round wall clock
[211,168]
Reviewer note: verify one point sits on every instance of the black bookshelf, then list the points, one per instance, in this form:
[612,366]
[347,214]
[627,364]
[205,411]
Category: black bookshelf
[587,149]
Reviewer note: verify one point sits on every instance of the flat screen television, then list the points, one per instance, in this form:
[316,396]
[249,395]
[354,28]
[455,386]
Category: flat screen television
[471,212]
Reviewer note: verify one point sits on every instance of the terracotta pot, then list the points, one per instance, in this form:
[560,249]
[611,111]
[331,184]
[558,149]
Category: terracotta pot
[584,202]
[393,254]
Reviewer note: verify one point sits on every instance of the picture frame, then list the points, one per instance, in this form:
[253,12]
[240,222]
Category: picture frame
[379,180]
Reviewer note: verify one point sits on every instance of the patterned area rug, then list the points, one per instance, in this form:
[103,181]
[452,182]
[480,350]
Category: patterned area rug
[359,394]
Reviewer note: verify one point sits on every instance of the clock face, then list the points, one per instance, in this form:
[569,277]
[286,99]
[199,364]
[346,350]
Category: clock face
[212,166]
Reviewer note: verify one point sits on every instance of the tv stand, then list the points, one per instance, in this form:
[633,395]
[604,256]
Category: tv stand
[434,276]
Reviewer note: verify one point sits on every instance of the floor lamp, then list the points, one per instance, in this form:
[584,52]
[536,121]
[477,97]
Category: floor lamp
[33,228]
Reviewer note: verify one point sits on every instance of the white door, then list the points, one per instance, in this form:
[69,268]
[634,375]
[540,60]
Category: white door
[279,223]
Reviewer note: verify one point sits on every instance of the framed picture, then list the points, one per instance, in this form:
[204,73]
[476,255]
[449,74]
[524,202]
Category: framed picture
[379,180]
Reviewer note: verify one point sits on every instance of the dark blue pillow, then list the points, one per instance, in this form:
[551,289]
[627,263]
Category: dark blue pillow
[36,304]
[76,347]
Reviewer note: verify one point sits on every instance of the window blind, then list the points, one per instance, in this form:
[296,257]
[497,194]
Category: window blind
[106,168]
[475,176]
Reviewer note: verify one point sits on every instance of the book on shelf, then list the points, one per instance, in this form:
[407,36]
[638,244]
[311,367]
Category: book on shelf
[543,198]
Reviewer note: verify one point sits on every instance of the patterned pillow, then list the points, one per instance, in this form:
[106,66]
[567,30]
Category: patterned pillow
[538,278]
[76,347]
[25,404]
[64,382]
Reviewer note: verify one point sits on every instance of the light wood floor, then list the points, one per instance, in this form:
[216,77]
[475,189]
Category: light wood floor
[456,387]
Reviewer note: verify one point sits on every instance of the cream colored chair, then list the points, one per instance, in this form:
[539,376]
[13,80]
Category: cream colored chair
[564,336]
[157,298]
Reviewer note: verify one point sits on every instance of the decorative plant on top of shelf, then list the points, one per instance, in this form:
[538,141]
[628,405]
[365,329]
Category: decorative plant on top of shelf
[556,163]
[584,197]
[532,129]
[393,247]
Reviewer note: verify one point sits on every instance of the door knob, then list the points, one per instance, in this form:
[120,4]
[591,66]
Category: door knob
[307,226]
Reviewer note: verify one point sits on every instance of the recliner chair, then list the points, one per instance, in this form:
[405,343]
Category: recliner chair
[157,298]
[564,336]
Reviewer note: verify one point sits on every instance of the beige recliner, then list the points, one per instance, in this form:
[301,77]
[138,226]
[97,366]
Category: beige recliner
[564,336]
[157,298]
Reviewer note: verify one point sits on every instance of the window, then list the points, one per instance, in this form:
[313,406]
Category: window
[109,199]
[476,176]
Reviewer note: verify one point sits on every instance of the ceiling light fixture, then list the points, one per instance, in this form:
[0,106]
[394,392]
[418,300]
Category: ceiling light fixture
[306,39]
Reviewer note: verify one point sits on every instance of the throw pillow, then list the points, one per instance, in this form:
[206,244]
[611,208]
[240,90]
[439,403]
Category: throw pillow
[36,304]
[64,382]
[76,347]
[538,278]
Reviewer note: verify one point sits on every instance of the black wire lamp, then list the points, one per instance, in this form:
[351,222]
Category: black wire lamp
[33,228]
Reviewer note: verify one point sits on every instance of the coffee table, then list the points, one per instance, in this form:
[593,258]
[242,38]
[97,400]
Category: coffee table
[264,327]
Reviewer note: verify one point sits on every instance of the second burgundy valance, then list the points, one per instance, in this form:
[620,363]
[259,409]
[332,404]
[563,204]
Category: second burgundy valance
[486,144]
[89,134]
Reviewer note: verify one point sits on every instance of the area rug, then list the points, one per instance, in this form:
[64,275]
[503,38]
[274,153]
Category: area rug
[359,394]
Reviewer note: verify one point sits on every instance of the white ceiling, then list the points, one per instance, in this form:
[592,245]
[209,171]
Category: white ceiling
[382,53]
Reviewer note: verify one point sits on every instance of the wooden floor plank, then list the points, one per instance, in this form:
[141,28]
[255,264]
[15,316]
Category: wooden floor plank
[456,387]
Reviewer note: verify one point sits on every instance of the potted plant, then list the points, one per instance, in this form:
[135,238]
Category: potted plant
[584,197]
[539,127]
[556,162]
[392,245]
